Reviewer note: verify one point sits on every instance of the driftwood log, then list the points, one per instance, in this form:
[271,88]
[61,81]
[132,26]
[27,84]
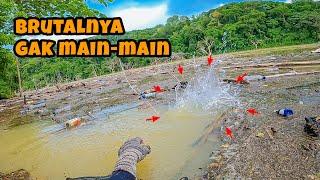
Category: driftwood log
[285,64]
[292,74]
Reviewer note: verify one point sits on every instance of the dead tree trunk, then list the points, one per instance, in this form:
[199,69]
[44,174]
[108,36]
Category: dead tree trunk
[19,77]
[206,45]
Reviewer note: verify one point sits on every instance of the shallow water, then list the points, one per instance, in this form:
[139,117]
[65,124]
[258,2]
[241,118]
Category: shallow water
[91,149]
[48,152]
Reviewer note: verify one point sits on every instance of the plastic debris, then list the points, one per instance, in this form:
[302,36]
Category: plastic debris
[286,112]
[234,81]
[260,135]
[229,132]
[153,118]
[316,51]
[312,126]
[225,146]
[145,95]
[73,122]
[181,85]
[252,111]
[180,69]
[254,78]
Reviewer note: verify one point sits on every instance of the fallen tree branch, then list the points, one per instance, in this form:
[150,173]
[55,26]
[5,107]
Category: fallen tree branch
[292,74]
[300,63]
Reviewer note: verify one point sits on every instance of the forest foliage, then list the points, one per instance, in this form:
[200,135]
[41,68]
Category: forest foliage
[232,27]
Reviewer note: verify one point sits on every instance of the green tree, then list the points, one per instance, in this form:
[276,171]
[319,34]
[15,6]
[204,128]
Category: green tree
[10,9]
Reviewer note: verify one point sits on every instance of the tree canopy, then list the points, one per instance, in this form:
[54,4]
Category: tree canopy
[239,26]
[232,27]
[10,9]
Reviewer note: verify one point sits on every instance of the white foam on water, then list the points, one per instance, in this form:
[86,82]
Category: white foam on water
[206,92]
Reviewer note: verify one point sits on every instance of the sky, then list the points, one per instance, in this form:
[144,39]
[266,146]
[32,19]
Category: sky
[141,14]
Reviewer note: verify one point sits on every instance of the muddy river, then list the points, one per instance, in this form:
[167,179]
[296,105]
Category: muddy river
[92,148]
[48,152]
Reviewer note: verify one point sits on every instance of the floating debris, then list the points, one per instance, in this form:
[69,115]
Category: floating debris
[316,51]
[229,80]
[181,85]
[146,95]
[73,122]
[254,78]
[286,112]
[260,135]
[225,146]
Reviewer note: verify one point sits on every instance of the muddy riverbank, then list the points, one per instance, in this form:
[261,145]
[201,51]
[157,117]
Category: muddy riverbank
[247,155]
[269,146]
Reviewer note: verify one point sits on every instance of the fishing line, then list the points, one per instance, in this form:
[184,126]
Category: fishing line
[174,77]
[125,76]
[133,89]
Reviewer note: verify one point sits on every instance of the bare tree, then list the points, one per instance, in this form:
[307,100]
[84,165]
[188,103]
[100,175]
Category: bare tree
[19,77]
[206,45]
[112,64]
[94,70]
[255,42]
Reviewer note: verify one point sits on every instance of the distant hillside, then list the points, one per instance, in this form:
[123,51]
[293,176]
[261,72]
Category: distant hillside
[239,26]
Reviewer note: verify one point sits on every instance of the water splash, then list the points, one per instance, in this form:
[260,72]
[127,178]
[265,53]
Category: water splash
[206,92]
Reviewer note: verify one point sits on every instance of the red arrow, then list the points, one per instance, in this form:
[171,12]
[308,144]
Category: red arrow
[158,89]
[153,118]
[229,132]
[180,69]
[240,78]
[252,111]
[210,60]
